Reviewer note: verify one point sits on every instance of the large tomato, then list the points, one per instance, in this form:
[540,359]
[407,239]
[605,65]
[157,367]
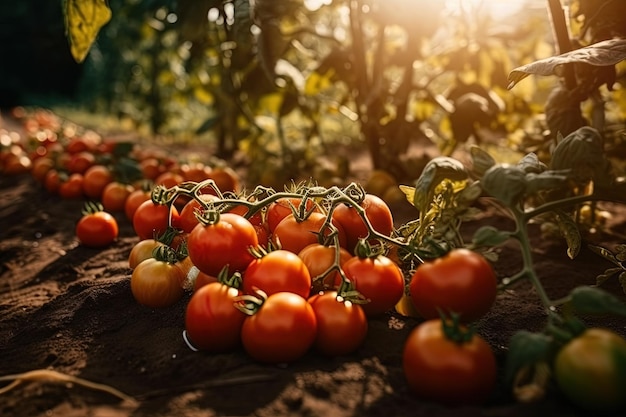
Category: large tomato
[591,370]
[97,229]
[224,242]
[282,330]
[341,325]
[377,212]
[212,321]
[152,220]
[461,282]
[378,279]
[277,271]
[318,259]
[294,235]
[156,283]
[441,369]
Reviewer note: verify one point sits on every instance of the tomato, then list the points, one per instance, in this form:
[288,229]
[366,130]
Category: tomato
[52,181]
[318,258]
[97,229]
[80,162]
[256,219]
[114,196]
[461,282]
[188,219]
[40,168]
[196,172]
[591,370]
[151,220]
[440,369]
[95,179]
[225,178]
[277,271]
[341,325]
[225,242]
[156,283]
[143,250]
[168,179]
[378,279]
[199,278]
[133,201]
[281,208]
[212,321]
[151,168]
[294,235]
[72,187]
[282,330]
[377,212]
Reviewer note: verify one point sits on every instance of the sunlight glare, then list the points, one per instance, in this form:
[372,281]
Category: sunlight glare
[496,8]
[316,4]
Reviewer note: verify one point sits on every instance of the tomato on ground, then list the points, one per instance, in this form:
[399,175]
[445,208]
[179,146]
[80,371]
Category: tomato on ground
[97,229]
[95,179]
[461,282]
[341,325]
[446,371]
[282,330]
[378,279]
[212,321]
[156,283]
[142,250]
[277,271]
[114,196]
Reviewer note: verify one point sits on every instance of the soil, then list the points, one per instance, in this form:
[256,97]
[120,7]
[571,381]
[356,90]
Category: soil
[68,308]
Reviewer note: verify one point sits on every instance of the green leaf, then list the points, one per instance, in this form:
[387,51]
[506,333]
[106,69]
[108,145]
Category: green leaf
[435,171]
[593,300]
[525,349]
[569,230]
[83,21]
[490,236]
[481,160]
[603,277]
[505,182]
[530,163]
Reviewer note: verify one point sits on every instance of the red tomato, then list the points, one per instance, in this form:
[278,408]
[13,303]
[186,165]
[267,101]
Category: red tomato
[133,201]
[95,179]
[223,243]
[196,172]
[278,271]
[294,235]
[199,278]
[282,330]
[97,229]
[378,279]
[225,178]
[212,321]
[151,168]
[52,181]
[188,219]
[461,282]
[256,219]
[40,168]
[80,162]
[155,283]
[143,250]
[281,208]
[377,212]
[168,179]
[443,370]
[151,220]
[341,325]
[318,258]
[72,187]
[114,196]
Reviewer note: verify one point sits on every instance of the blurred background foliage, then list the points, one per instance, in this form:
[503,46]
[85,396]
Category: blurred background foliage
[297,88]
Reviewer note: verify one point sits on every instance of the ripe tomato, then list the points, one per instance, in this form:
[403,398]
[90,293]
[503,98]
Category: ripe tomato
[294,235]
[199,278]
[40,168]
[97,229]
[378,279]
[223,243]
[282,330]
[256,219]
[281,208]
[151,168]
[155,283]
[212,321]
[377,212]
[341,325]
[133,201]
[151,220]
[278,271]
[80,162]
[318,258]
[461,282]
[225,178]
[95,179]
[446,371]
[188,219]
[72,187]
[591,370]
[114,196]
[143,250]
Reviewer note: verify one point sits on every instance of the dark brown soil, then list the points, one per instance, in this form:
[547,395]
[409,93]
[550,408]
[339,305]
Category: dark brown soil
[69,308]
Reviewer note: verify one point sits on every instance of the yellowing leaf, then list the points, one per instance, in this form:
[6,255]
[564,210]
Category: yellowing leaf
[83,21]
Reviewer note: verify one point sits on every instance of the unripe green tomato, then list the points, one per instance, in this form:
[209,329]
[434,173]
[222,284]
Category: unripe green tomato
[591,370]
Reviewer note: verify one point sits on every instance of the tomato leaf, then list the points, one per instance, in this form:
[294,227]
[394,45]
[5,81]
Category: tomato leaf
[605,53]
[569,230]
[530,163]
[525,349]
[435,171]
[83,21]
[481,160]
[489,236]
[593,300]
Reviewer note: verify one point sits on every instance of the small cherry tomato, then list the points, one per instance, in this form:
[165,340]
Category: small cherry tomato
[96,228]
[277,271]
[151,220]
[156,283]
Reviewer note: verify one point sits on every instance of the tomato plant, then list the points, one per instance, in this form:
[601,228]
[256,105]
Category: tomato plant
[442,362]
[461,282]
[378,279]
[96,228]
[158,282]
[225,240]
[277,271]
[212,321]
[341,324]
[591,370]
[281,330]
[152,219]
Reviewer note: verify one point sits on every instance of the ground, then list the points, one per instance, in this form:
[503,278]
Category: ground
[70,309]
